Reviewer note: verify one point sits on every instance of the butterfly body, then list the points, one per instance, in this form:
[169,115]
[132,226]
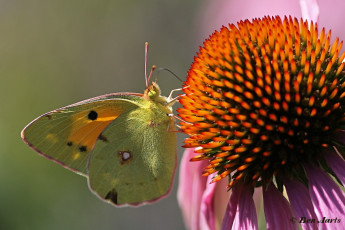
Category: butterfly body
[124,143]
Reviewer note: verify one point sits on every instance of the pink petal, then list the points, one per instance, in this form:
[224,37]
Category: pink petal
[232,207]
[240,213]
[332,17]
[310,9]
[206,209]
[213,204]
[203,203]
[337,164]
[301,203]
[191,188]
[221,200]
[214,14]
[327,197]
[278,211]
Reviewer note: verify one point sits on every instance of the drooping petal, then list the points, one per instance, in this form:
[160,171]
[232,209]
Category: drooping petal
[337,164]
[327,197]
[221,201]
[213,204]
[207,220]
[301,203]
[203,203]
[332,17]
[310,9]
[278,211]
[232,207]
[240,213]
[214,14]
[190,189]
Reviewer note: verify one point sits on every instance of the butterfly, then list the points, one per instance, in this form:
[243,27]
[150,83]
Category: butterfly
[124,143]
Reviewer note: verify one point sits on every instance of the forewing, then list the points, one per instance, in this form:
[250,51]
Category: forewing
[135,163]
[68,135]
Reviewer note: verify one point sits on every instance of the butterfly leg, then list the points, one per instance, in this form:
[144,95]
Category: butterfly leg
[171,93]
[176,117]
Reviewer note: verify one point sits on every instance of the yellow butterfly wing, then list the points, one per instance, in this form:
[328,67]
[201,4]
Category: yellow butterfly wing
[136,163]
[124,143]
[68,135]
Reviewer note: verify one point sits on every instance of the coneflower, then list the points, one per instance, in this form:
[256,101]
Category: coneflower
[264,106]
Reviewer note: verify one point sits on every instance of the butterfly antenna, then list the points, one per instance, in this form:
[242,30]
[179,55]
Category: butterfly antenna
[152,69]
[146,50]
[177,77]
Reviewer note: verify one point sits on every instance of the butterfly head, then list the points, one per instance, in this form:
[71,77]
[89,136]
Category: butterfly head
[152,92]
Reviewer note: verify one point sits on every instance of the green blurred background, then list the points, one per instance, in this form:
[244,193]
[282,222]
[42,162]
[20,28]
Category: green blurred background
[55,53]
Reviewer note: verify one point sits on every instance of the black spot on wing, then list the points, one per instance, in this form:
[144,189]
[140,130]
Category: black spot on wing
[70,143]
[102,138]
[112,196]
[92,115]
[48,116]
[82,148]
